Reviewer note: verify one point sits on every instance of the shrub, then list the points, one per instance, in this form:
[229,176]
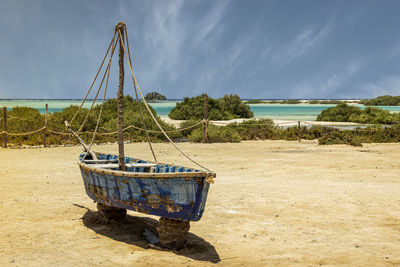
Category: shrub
[385,100]
[291,101]
[108,122]
[188,124]
[23,120]
[132,116]
[340,113]
[346,113]
[254,129]
[56,123]
[336,136]
[216,134]
[154,96]
[226,108]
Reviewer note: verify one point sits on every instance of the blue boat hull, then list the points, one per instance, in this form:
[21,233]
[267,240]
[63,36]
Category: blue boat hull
[176,195]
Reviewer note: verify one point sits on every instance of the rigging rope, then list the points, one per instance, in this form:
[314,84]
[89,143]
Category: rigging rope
[95,78]
[22,134]
[59,133]
[108,70]
[94,100]
[138,101]
[149,110]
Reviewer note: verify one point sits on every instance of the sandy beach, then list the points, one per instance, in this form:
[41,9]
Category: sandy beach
[285,123]
[276,203]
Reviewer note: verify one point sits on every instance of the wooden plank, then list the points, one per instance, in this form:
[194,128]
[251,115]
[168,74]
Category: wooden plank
[45,125]
[145,175]
[128,165]
[205,135]
[100,161]
[299,132]
[5,127]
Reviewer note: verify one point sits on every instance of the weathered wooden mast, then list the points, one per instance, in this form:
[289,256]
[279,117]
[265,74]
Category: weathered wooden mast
[120,96]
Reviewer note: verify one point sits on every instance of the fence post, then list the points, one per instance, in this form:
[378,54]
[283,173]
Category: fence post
[5,127]
[45,127]
[205,137]
[299,126]
[131,134]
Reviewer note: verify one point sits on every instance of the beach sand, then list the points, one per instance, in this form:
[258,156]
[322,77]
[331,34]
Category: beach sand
[279,203]
[285,123]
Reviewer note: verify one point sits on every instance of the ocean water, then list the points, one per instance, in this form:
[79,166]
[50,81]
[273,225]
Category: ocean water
[297,112]
[162,108]
[53,105]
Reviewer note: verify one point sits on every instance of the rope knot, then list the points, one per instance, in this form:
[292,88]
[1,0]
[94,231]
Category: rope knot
[120,26]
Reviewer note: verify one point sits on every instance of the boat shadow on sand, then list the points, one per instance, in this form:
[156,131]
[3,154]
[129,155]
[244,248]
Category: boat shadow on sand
[131,232]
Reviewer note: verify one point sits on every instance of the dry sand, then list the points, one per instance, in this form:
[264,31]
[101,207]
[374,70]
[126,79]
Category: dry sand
[273,203]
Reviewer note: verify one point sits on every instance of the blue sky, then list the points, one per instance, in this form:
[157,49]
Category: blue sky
[256,49]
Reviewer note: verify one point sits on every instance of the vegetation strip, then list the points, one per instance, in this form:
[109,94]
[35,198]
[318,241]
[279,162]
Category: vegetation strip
[24,126]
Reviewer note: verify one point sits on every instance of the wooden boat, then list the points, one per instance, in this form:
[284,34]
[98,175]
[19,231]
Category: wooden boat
[178,194]
[158,189]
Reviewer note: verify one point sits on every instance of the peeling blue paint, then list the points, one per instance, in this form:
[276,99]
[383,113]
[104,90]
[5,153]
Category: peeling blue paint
[176,198]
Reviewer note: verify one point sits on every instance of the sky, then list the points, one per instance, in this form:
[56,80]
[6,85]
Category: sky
[282,49]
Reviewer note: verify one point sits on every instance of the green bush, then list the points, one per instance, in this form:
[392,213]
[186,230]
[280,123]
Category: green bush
[188,124]
[336,136]
[340,113]
[346,113]
[385,100]
[215,134]
[108,122]
[56,123]
[226,108]
[23,120]
[254,129]
[154,96]
[56,120]
[374,134]
[291,101]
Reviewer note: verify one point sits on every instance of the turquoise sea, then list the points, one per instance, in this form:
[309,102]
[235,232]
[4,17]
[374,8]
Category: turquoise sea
[272,111]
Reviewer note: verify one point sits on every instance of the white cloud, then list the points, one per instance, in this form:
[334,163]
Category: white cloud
[171,37]
[328,84]
[389,85]
[268,46]
[164,36]
[225,64]
[209,22]
[304,41]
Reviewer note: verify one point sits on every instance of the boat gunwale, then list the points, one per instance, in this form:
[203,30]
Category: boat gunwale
[199,174]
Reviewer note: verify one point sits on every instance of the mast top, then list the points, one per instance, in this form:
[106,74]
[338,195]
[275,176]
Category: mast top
[120,26]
